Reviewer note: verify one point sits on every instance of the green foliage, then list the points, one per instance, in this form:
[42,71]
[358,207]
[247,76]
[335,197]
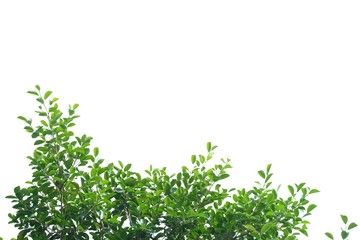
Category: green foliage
[73,195]
[344,233]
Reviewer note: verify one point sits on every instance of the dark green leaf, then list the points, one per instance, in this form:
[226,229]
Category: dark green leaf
[352,225]
[329,235]
[344,219]
[127,167]
[37,142]
[344,234]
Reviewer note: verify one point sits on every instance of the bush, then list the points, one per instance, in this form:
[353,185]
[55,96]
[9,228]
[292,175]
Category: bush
[73,195]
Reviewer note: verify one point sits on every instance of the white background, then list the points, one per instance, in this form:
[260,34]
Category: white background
[267,81]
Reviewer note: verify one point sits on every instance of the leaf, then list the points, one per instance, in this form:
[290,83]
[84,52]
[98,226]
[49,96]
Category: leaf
[96,152]
[38,142]
[268,168]
[250,228]
[37,87]
[223,176]
[43,122]
[300,186]
[208,146]
[193,159]
[352,225]
[311,207]
[329,235]
[47,94]
[344,234]
[40,100]
[261,173]
[344,219]
[313,191]
[266,227]
[33,93]
[22,118]
[127,167]
[291,190]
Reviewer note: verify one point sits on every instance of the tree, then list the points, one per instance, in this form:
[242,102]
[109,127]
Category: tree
[73,195]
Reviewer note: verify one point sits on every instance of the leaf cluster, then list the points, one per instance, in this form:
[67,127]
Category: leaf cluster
[74,195]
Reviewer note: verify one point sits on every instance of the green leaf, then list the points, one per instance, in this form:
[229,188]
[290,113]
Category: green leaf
[300,186]
[344,234]
[266,227]
[291,190]
[261,173]
[329,235]
[344,219]
[313,191]
[193,159]
[251,228]
[223,176]
[33,93]
[47,94]
[37,87]
[127,167]
[352,225]
[43,122]
[268,168]
[40,100]
[208,146]
[311,207]
[22,118]
[38,142]
[96,152]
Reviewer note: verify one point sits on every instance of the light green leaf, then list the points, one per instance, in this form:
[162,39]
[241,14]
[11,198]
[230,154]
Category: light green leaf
[96,152]
[33,93]
[313,191]
[47,94]
[311,207]
[22,118]
[251,228]
[268,168]
[208,146]
[43,122]
[193,159]
[291,190]
[266,227]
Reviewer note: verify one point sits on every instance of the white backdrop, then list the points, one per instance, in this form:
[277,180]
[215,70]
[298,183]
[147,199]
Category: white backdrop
[267,81]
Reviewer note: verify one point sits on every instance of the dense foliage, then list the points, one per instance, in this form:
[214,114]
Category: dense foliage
[73,195]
